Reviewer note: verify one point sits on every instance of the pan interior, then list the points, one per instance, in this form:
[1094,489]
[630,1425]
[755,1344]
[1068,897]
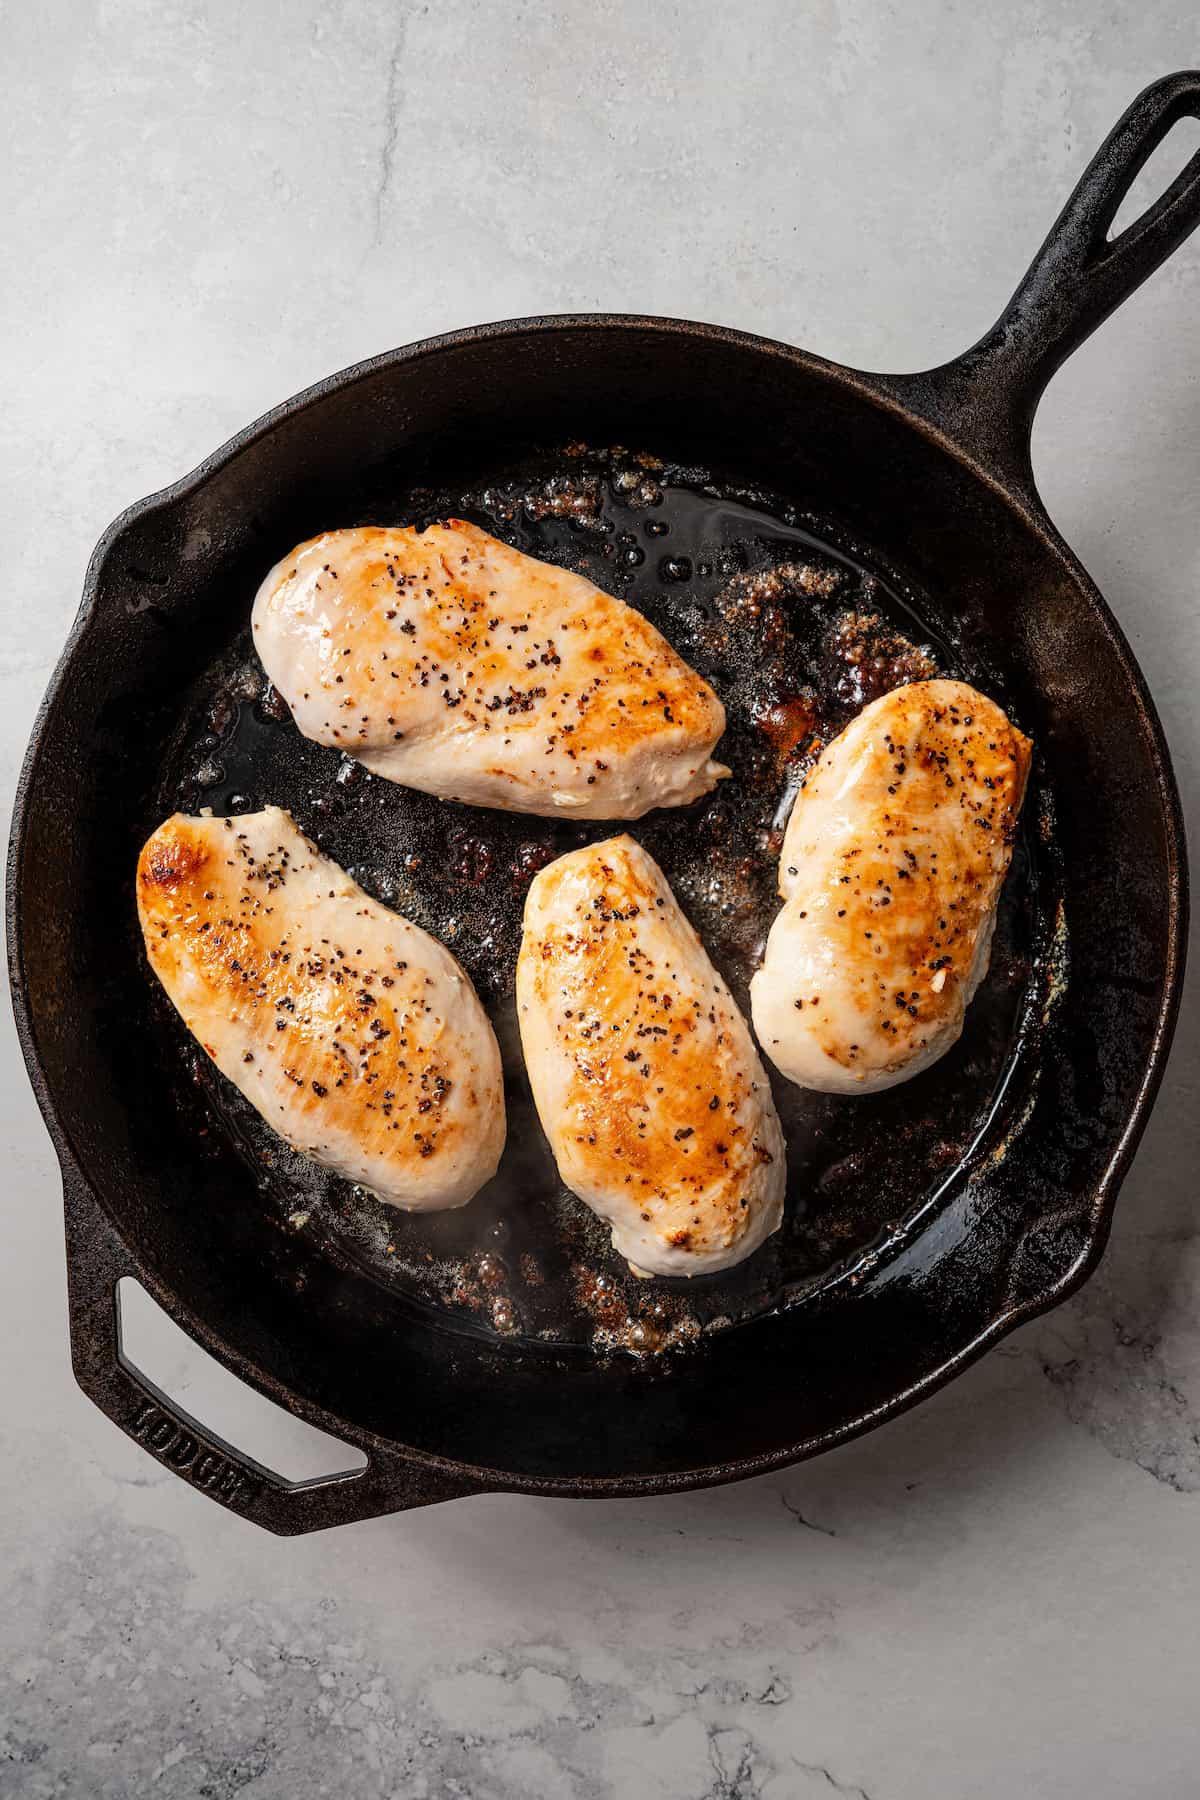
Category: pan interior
[796,626]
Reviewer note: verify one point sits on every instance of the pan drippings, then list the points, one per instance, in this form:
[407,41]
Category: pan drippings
[796,630]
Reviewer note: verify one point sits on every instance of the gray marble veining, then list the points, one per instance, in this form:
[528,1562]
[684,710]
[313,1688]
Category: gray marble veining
[208,206]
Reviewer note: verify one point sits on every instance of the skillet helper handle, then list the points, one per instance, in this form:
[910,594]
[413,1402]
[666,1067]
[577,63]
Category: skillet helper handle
[987,399]
[96,1262]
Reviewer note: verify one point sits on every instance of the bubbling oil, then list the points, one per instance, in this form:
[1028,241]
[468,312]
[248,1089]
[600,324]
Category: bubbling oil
[796,628]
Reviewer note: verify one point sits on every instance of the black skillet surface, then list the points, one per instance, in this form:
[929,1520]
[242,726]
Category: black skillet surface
[796,638]
[807,536]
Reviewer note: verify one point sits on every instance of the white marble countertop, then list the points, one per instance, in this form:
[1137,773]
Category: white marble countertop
[208,206]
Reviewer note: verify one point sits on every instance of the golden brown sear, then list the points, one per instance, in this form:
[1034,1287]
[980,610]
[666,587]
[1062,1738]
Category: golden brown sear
[891,871]
[355,1034]
[646,1080]
[448,661]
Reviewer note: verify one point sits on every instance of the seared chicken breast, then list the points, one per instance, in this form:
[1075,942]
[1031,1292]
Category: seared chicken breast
[355,1034]
[644,1072]
[445,660]
[891,870]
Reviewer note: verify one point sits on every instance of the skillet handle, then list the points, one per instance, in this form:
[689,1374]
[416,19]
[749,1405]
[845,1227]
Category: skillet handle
[986,399]
[96,1262]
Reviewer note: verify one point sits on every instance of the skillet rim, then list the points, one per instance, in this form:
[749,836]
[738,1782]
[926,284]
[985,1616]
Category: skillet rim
[897,395]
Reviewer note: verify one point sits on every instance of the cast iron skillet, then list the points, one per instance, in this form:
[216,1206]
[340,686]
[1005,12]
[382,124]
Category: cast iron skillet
[512,1352]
